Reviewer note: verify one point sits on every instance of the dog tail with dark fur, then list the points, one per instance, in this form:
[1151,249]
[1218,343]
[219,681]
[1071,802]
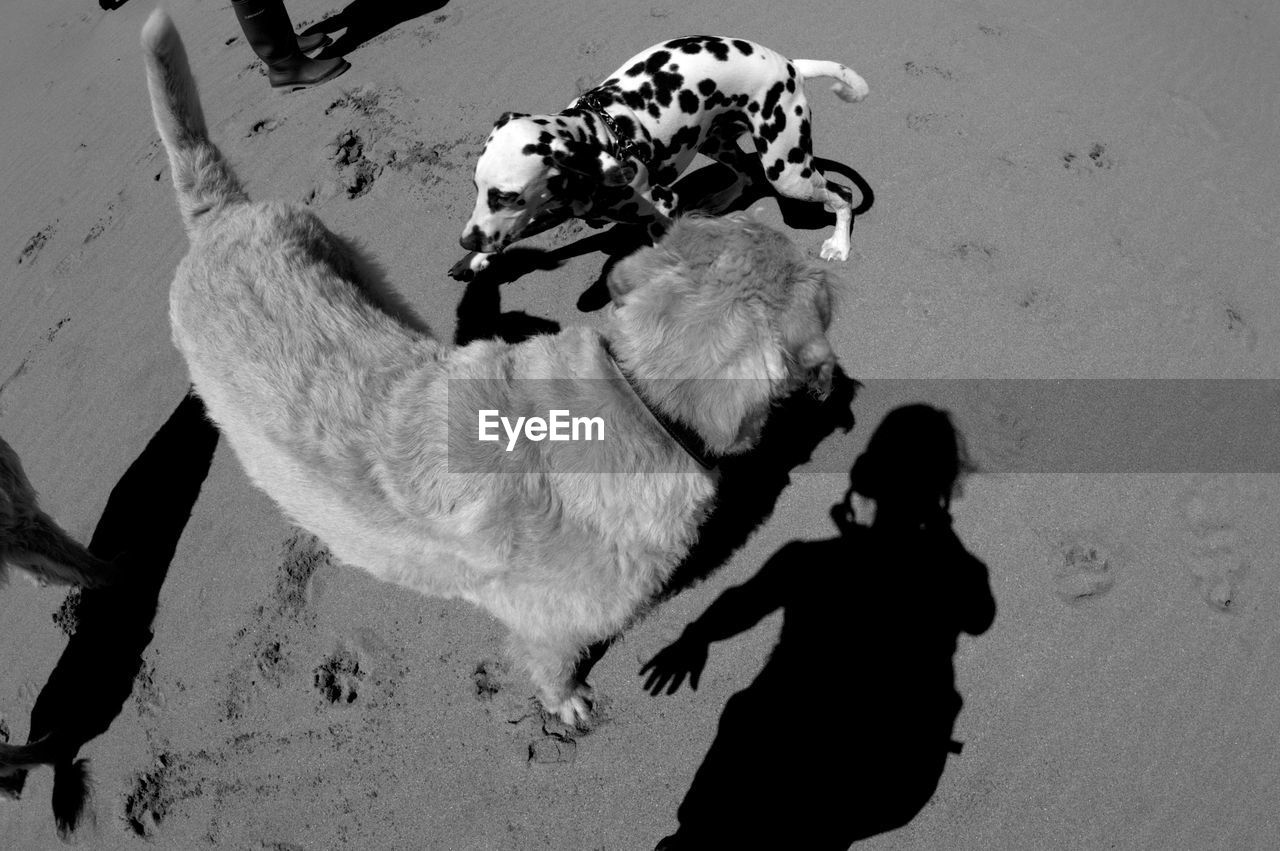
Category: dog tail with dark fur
[70,778]
[201,176]
[849,86]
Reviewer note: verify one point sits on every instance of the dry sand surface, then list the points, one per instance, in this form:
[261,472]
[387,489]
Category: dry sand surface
[1060,190]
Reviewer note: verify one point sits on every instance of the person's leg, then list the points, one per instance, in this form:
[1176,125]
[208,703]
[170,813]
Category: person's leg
[269,32]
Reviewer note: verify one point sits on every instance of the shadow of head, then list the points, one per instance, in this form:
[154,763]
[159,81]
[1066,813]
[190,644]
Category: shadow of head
[912,468]
[480,317]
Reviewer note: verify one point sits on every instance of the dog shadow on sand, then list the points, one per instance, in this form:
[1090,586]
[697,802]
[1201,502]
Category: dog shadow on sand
[139,529]
[862,676]
[621,240]
[364,20]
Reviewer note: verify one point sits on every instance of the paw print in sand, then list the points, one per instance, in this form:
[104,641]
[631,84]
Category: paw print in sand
[1083,568]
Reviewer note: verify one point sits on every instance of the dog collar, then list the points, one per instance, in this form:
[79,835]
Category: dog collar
[686,437]
[626,147]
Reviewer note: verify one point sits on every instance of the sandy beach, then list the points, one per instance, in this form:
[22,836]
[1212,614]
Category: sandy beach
[1082,191]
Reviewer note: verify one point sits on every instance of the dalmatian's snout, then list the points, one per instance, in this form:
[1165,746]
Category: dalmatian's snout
[473,239]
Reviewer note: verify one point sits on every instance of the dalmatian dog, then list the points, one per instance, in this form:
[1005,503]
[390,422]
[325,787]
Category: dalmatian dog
[614,153]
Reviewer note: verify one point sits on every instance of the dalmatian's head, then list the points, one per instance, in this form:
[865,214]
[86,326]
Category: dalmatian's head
[533,167]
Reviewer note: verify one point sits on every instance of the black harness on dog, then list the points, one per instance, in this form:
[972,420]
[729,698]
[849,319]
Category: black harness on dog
[688,439]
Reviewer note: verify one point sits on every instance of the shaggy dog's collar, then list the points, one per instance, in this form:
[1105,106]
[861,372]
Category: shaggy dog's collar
[688,439]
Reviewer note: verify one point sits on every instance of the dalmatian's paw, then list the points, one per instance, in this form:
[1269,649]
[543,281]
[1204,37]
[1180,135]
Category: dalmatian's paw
[835,248]
[467,268]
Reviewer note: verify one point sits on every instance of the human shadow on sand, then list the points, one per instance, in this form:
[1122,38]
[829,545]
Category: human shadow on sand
[863,663]
[750,486]
[621,240]
[367,19]
[139,529]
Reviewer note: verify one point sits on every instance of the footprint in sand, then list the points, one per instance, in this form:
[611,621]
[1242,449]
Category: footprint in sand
[1096,159]
[1239,327]
[1083,567]
[339,677]
[1218,554]
[263,126]
[488,677]
[356,172]
[36,244]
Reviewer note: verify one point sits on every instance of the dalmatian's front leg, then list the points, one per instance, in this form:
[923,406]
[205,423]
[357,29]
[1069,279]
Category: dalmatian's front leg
[470,265]
[643,206]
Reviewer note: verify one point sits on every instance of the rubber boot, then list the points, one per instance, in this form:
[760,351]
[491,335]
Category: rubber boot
[269,32]
[312,43]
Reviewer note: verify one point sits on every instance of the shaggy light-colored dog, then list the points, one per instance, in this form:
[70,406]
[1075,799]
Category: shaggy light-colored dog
[32,541]
[353,421]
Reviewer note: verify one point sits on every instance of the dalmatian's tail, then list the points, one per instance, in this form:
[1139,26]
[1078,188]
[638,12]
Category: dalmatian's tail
[849,86]
[203,179]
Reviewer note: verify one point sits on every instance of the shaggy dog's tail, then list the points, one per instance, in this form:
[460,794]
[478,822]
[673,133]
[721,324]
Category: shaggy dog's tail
[201,176]
[849,86]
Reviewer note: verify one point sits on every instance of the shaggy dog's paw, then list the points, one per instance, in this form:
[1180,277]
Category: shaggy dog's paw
[575,710]
[835,249]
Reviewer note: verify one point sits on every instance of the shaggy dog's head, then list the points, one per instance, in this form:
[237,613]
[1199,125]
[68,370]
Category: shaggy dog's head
[723,318]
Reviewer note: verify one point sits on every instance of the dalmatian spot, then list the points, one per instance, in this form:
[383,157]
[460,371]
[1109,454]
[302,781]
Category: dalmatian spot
[498,200]
[688,102]
[666,84]
[800,110]
[507,116]
[774,171]
[663,195]
[771,131]
[697,43]
[796,155]
[791,84]
[806,138]
[686,137]
[771,98]
[626,127]
[706,87]
[743,46]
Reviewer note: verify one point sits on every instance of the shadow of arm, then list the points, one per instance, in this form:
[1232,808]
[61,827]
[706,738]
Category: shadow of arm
[733,612]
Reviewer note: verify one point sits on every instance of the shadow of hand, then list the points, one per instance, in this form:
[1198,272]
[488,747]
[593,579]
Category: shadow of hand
[685,657]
